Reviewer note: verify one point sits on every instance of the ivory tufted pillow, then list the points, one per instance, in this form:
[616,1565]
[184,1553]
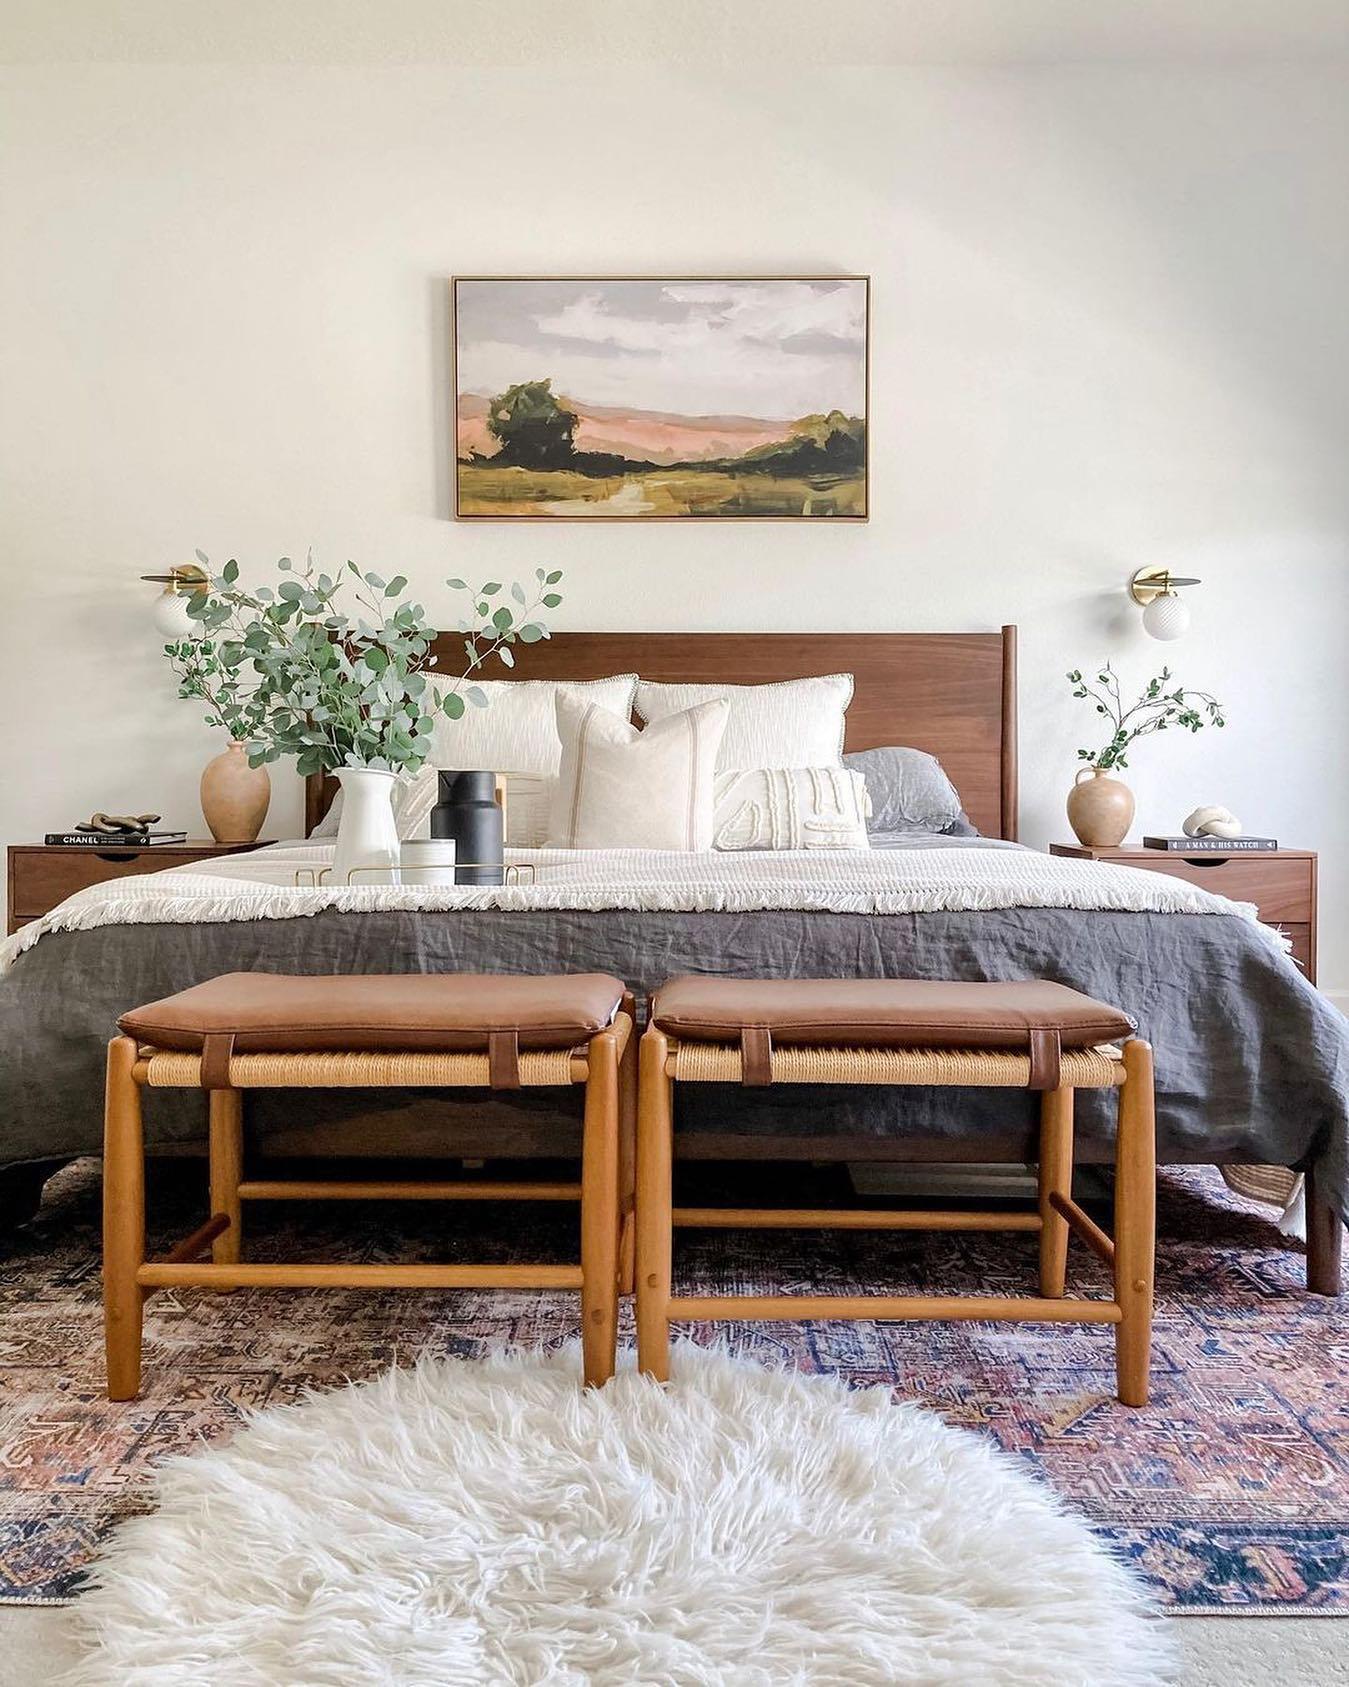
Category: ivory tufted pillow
[791,808]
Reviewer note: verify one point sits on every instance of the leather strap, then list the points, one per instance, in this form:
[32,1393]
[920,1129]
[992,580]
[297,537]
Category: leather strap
[1045,1050]
[503,1060]
[217,1050]
[756,1056]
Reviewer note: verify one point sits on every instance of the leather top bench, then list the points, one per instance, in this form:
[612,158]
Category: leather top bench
[1026,1016]
[900,1032]
[281,1013]
[429,1031]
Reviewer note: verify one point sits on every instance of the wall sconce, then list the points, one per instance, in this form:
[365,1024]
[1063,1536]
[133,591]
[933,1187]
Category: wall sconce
[170,614]
[1165,615]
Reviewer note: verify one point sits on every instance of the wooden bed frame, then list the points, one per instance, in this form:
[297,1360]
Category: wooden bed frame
[952,694]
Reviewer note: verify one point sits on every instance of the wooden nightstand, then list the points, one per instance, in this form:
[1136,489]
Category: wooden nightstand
[41,875]
[1281,883]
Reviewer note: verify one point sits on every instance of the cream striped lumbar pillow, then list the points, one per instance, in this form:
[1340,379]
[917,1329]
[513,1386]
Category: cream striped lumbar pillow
[619,788]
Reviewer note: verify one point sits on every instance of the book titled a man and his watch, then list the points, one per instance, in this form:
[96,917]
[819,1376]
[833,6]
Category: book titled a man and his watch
[1212,846]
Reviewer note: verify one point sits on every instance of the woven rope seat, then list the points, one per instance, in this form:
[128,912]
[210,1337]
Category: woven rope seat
[718,1063]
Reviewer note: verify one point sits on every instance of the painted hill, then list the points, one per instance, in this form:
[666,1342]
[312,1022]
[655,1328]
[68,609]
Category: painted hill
[652,436]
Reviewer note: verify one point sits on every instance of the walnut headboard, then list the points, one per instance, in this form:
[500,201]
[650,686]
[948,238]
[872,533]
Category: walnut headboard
[952,694]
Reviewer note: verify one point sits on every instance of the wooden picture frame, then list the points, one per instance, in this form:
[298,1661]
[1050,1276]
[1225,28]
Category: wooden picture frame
[762,432]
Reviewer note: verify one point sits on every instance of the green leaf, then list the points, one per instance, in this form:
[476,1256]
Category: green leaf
[454,705]
[477,696]
[550,600]
[457,585]
[230,573]
[531,633]
[396,585]
[554,577]
[491,588]
[202,557]
[503,618]
[518,592]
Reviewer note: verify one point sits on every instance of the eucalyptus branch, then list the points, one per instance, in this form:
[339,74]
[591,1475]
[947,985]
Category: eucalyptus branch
[1156,710]
[289,669]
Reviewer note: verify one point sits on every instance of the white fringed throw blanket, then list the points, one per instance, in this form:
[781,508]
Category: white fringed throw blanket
[263,886]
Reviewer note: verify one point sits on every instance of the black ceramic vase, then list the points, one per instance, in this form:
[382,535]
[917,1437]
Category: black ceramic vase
[469,813]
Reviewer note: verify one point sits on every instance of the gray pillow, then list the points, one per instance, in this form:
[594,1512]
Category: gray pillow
[909,791]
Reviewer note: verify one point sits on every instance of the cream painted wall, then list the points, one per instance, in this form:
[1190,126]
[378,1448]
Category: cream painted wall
[1109,329]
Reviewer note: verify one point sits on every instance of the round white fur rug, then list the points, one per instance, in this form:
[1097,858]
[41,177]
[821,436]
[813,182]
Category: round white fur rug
[471,1522]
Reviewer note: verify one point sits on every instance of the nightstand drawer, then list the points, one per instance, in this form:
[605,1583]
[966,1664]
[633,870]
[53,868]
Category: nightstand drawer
[1280,886]
[40,878]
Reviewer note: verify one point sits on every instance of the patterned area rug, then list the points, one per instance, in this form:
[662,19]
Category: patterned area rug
[1230,1493]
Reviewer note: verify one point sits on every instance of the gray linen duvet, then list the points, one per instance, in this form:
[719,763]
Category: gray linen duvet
[1252,1062]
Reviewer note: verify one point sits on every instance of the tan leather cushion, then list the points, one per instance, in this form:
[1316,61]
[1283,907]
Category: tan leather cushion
[268,1012]
[884,1013]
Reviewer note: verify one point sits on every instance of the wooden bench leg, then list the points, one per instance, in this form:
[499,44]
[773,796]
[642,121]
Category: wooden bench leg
[1135,1223]
[123,1221]
[227,1166]
[599,1211]
[1055,1177]
[627,1167]
[655,1155]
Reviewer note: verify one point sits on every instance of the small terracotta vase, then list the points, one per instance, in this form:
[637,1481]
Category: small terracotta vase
[234,796]
[1101,811]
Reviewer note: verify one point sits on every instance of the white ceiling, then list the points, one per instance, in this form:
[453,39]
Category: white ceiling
[725,34]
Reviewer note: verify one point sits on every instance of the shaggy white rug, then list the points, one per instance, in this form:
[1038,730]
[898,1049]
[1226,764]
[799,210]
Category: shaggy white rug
[492,1522]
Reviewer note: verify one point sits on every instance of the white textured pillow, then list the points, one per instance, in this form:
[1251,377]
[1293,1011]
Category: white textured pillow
[792,723]
[790,808]
[624,789]
[516,734]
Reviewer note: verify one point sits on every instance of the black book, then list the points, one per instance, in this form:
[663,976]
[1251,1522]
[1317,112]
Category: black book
[116,840]
[1213,846]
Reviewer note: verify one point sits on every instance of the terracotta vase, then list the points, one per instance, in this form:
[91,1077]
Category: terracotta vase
[234,796]
[1101,811]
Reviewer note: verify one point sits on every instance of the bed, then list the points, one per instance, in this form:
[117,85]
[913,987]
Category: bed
[1253,1064]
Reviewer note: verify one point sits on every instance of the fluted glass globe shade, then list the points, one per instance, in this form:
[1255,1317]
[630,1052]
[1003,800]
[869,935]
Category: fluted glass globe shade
[1166,617]
[171,616]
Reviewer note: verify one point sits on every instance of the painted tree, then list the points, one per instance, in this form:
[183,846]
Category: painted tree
[533,428]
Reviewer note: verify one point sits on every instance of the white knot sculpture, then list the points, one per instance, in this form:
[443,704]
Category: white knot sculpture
[1212,823]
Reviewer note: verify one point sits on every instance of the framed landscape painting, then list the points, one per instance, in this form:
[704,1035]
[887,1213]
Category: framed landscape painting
[642,400]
